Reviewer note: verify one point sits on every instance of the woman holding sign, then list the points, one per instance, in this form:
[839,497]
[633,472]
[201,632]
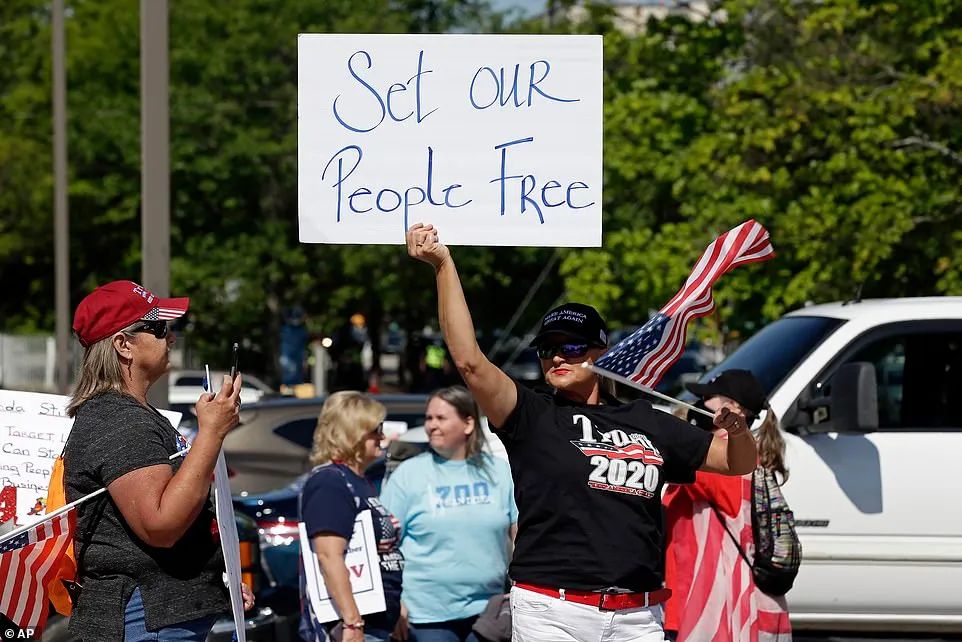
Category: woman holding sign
[148,552]
[346,441]
[588,472]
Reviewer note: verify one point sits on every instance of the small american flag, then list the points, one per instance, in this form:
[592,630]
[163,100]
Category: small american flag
[28,562]
[646,354]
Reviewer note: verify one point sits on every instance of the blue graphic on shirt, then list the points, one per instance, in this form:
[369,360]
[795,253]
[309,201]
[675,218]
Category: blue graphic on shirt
[455,522]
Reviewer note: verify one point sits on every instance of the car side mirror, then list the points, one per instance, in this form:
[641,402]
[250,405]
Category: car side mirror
[853,403]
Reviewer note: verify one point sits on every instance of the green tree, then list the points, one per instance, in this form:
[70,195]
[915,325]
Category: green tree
[832,123]
[234,239]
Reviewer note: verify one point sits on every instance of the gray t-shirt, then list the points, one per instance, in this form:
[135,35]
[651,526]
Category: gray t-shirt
[112,435]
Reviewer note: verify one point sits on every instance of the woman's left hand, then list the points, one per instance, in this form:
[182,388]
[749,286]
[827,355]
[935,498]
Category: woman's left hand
[401,628]
[248,597]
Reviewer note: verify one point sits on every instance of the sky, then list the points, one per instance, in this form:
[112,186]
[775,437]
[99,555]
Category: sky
[527,6]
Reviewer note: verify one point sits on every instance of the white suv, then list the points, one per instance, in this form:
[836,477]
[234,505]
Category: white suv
[869,395]
[187,385]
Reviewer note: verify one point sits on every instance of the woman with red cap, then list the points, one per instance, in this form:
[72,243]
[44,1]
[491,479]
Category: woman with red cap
[588,472]
[149,559]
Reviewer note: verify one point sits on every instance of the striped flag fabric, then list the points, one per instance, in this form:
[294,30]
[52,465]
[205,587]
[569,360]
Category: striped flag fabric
[28,562]
[646,354]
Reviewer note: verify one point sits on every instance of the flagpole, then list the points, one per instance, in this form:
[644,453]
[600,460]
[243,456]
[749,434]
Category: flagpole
[63,509]
[645,389]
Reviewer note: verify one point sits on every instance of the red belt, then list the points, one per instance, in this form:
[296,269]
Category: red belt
[605,601]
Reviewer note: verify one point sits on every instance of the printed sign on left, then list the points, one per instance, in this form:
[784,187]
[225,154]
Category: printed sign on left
[33,430]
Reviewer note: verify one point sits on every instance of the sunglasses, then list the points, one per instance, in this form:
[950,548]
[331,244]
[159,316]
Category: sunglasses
[566,350]
[157,328]
[377,431]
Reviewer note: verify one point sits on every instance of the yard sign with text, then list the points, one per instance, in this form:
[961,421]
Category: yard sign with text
[494,139]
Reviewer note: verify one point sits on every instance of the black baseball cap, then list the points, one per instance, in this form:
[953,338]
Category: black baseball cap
[739,385]
[574,320]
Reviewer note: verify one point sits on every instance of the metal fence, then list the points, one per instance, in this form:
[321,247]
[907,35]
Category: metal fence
[27,362]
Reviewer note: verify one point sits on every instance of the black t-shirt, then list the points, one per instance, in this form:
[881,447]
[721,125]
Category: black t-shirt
[112,435]
[588,481]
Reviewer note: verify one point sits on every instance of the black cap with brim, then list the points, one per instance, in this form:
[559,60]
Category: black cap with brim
[739,385]
[576,320]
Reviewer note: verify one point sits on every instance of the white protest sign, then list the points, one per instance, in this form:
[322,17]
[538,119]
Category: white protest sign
[495,139]
[364,569]
[33,430]
[230,543]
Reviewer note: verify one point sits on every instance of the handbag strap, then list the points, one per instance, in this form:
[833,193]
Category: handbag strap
[738,546]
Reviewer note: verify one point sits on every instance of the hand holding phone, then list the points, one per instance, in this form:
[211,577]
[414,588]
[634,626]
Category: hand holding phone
[233,360]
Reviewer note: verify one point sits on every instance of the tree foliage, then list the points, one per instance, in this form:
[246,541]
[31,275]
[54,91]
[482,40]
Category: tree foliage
[833,122]
[233,102]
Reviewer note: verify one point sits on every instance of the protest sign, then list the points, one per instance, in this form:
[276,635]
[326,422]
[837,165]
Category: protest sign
[361,560]
[230,543]
[33,430]
[495,139]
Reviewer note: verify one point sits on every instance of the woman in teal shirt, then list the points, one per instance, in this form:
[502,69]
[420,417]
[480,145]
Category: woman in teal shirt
[458,518]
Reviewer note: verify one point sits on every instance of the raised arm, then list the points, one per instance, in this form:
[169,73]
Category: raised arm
[492,389]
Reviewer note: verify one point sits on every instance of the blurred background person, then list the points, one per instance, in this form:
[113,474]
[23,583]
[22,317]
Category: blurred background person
[349,343]
[458,519]
[435,364]
[149,557]
[714,596]
[293,348]
[346,441]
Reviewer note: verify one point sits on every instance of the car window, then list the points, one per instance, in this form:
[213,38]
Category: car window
[918,376]
[777,349]
[301,431]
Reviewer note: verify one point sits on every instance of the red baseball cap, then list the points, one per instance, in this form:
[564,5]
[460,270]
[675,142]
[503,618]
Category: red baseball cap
[114,306]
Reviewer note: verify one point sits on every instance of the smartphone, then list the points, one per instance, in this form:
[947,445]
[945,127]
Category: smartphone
[233,360]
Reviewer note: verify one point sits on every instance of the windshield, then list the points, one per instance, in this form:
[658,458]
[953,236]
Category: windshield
[777,348]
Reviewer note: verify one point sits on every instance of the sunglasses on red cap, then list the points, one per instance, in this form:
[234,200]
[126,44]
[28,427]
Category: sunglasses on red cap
[157,328]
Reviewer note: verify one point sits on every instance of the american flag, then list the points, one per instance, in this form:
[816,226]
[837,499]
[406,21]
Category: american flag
[646,354]
[28,562]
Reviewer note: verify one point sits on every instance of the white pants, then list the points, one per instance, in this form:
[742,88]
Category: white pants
[541,618]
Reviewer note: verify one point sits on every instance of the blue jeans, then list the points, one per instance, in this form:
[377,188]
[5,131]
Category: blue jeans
[450,631]
[135,628]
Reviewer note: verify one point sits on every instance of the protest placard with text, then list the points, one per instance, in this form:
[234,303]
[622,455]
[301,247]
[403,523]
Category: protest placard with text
[33,430]
[495,139]
[362,562]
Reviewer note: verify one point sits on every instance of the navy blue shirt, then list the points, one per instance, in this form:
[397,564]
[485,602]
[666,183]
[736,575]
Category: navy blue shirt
[332,498]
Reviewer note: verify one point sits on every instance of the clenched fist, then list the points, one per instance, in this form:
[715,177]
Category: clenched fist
[423,245]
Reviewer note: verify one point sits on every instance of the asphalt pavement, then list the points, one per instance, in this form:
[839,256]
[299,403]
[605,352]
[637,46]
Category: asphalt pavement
[805,636]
